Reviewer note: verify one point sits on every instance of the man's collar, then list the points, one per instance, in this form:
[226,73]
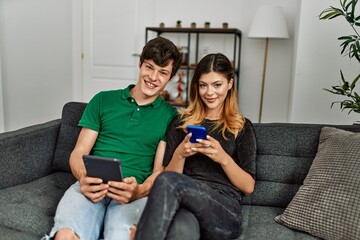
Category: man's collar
[126,95]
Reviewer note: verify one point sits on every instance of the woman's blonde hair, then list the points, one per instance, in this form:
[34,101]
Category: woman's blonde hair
[231,120]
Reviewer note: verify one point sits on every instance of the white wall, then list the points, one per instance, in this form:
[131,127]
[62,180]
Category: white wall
[35,38]
[36,47]
[279,66]
[2,125]
[239,13]
[317,66]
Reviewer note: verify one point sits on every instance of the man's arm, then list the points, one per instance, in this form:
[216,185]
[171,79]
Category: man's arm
[146,186]
[84,144]
[92,188]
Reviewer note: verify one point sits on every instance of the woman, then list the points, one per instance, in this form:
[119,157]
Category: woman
[200,192]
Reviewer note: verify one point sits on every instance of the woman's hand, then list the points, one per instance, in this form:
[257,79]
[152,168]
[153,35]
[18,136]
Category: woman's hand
[185,148]
[211,148]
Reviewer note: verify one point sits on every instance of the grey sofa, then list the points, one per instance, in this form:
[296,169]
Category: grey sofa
[35,173]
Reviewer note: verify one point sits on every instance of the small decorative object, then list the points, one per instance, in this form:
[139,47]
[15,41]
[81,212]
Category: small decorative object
[162,25]
[207,24]
[193,25]
[178,23]
[179,100]
[184,55]
[225,25]
[165,95]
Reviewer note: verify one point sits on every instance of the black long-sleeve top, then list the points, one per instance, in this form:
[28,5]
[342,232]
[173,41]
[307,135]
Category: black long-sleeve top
[200,167]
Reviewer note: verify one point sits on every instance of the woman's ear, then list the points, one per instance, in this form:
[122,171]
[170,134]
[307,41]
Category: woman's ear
[230,84]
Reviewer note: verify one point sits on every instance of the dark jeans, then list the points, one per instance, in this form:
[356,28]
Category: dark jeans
[218,215]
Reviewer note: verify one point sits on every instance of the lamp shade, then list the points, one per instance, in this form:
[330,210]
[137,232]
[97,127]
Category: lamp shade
[269,22]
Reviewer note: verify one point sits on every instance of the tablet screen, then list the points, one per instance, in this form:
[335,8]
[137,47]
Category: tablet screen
[103,167]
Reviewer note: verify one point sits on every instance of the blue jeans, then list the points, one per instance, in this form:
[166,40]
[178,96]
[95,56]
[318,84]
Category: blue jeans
[91,220]
[218,215]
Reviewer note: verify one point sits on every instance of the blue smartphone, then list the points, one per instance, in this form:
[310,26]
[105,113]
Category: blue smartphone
[198,132]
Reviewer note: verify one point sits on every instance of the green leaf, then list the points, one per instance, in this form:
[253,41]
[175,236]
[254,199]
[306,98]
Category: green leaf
[353,83]
[350,45]
[331,13]
[342,76]
[351,37]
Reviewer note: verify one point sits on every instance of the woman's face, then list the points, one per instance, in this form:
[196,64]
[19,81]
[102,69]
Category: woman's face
[213,89]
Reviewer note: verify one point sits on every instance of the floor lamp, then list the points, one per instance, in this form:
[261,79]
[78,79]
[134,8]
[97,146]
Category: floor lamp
[268,22]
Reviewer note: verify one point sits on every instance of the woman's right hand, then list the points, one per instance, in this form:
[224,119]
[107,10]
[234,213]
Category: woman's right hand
[183,151]
[185,147]
[93,188]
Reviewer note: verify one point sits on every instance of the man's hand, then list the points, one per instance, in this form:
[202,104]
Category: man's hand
[93,188]
[125,191]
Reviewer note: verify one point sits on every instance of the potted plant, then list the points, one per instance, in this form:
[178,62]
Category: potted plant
[193,25]
[225,25]
[178,23]
[350,47]
[207,24]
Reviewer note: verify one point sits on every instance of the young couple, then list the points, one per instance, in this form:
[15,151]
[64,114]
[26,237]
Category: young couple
[200,192]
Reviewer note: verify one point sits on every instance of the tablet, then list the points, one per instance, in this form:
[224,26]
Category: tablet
[103,167]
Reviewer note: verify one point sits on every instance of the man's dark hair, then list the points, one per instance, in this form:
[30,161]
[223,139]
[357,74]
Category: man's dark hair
[161,51]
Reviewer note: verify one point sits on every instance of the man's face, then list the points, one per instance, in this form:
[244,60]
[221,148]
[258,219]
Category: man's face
[153,78]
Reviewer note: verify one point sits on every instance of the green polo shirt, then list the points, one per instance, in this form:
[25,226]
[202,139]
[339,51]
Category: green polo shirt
[126,130]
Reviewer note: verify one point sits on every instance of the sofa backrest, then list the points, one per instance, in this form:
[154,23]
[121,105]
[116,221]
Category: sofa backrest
[285,152]
[68,135]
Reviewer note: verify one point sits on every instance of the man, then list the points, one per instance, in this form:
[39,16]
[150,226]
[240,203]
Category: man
[129,124]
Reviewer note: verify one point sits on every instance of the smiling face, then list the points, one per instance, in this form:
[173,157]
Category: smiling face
[213,89]
[152,80]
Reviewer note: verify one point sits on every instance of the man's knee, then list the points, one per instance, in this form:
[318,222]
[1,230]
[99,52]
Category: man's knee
[184,226]
[66,234]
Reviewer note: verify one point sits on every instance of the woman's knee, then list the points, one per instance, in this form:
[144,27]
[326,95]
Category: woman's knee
[168,176]
[184,226]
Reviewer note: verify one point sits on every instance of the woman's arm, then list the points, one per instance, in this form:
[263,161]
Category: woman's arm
[183,151]
[237,176]
[241,177]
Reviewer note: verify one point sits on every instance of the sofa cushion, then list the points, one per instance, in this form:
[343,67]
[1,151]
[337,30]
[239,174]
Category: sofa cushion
[285,152]
[27,154]
[258,223]
[327,205]
[31,207]
[68,134]
[12,234]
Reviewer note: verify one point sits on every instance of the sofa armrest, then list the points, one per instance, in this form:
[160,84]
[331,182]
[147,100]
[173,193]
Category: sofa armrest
[26,154]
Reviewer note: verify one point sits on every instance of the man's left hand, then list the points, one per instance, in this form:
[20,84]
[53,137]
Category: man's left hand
[125,191]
